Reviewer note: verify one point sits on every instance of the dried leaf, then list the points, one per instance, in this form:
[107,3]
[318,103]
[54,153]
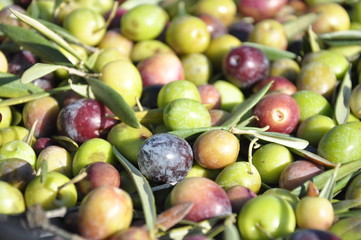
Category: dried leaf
[312,190]
[172,216]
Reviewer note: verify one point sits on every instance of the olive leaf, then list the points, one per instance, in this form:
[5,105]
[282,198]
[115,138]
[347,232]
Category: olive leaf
[312,157]
[230,230]
[279,138]
[299,25]
[327,190]
[201,227]
[66,142]
[41,28]
[173,215]
[185,133]
[345,205]
[271,52]
[38,70]
[151,116]
[312,41]
[342,38]
[35,43]
[245,106]
[321,179]
[114,101]
[62,32]
[129,4]
[28,98]
[144,190]
[82,89]
[11,87]
[342,103]
[349,228]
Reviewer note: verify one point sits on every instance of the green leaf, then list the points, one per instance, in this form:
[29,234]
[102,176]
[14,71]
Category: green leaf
[114,101]
[41,28]
[314,43]
[230,230]
[299,25]
[279,138]
[10,86]
[321,179]
[37,71]
[143,188]
[342,104]
[272,53]
[245,106]
[60,31]
[28,98]
[342,35]
[66,142]
[348,228]
[345,205]
[129,4]
[342,38]
[35,43]
[184,133]
[327,190]
[312,157]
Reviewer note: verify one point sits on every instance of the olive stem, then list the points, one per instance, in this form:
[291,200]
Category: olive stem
[264,231]
[74,180]
[110,18]
[139,104]
[250,148]
[30,135]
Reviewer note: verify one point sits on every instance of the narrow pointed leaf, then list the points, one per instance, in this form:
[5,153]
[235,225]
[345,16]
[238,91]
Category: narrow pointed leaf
[313,41]
[35,43]
[28,98]
[184,133]
[114,101]
[129,4]
[312,157]
[66,142]
[348,228]
[299,25]
[345,205]
[342,35]
[327,190]
[321,179]
[342,104]
[11,87]
[283,139]
[62,32]
[173,215]
[41,28]
[272,53]
[37,71]
[143,188]
[245,106]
